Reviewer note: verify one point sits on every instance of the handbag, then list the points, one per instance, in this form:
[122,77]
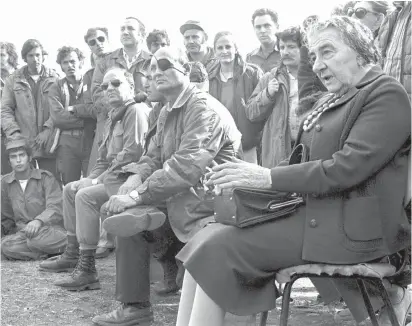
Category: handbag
[245,207]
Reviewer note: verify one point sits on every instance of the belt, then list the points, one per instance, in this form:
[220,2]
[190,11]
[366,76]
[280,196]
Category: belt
[72,132]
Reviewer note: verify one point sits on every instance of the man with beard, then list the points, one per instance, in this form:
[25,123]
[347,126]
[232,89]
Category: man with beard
[265,24]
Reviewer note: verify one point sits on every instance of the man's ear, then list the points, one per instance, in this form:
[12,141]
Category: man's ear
[81,64]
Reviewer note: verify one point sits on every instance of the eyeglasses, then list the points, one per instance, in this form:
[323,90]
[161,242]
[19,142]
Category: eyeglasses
[163,65]
[101,39]
[359,12]
[115,83]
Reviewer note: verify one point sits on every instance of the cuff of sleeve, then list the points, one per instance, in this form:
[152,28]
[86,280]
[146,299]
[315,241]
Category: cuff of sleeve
[12,131]
[43,219]
[268,177]
[146,199]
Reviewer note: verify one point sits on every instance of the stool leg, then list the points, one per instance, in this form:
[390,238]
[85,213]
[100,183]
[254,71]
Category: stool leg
[263,318]
[284,315]
[367,302]
[391,311]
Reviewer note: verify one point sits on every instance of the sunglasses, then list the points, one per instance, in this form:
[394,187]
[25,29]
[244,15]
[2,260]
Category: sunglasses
[163,65]
[359,12]
[115,83]
[101,39]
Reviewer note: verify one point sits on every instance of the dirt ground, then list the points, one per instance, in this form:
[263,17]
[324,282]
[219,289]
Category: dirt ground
[29,298]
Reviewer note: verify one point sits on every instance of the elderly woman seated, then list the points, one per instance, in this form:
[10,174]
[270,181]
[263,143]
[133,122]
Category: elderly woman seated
[358,137]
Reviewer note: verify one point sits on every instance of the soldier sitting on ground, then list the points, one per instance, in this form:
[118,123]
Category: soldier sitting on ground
[31,208]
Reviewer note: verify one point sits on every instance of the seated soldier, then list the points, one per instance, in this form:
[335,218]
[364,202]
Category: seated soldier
[31,208]
[193,131]
[123,143]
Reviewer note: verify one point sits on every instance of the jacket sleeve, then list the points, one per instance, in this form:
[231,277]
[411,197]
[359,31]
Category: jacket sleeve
[98,97]
[260,105]
[200,142]
[375,137]
[87,109]
[135,127]
[53,212]
[149,162]
[8,107]
[102,163]
[61,117]
[7,215]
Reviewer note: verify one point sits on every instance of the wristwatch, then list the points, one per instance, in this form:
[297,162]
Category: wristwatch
[135,195]
[95,182]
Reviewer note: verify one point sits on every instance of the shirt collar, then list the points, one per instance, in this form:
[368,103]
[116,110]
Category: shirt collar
[181,99]
[223,77]
[34,174]
[134,58]
[260,51]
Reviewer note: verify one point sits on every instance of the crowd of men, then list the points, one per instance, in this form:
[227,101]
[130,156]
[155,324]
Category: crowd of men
[107,154]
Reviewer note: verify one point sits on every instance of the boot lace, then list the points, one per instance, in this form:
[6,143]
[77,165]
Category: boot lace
[85,263]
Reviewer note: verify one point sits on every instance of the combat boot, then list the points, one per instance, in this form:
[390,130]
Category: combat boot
[65,262]
[84,276]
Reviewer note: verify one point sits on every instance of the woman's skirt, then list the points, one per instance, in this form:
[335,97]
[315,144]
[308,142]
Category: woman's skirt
[236,267]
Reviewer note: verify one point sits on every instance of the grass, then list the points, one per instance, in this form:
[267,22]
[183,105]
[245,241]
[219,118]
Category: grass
[29,298]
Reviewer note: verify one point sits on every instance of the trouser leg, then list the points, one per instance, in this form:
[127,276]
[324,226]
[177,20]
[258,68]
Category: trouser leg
[106,239]
[49,164]
[132,269]
[88,202]
[69,211]
[15,246]
[69,160]
[49,240]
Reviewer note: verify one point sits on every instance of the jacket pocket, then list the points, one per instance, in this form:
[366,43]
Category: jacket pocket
[118,138]
[362,219]
[23,98]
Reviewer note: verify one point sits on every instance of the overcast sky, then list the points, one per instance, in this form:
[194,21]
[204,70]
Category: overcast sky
[64,22]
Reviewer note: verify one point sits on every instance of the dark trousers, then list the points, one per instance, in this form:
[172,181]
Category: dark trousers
[49,164]
[133,261]
[73,157]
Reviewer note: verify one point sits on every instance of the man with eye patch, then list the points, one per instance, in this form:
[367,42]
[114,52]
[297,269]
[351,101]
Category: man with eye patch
[82,200]
[265,24]
[194,131]
[131,57]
